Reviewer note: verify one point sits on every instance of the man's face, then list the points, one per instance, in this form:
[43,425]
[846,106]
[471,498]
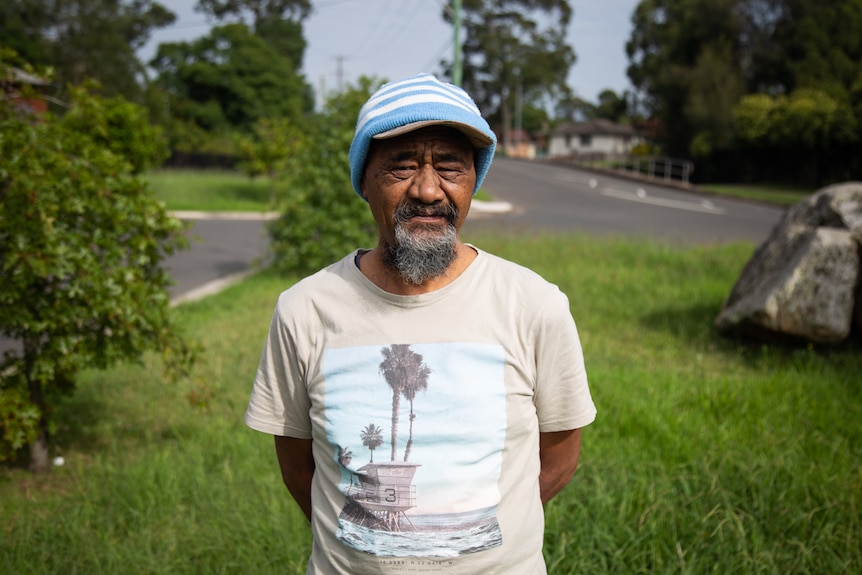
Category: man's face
[430,169]
[419,187]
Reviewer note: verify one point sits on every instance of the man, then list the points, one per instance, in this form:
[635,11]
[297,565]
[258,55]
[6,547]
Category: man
[426,397]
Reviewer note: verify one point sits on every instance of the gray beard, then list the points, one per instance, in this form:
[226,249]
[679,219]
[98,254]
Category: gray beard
[424,254]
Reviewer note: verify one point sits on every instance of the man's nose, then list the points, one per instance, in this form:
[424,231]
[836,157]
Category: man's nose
[426,186]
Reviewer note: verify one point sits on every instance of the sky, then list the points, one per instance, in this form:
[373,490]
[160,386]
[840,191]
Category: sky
[394,39]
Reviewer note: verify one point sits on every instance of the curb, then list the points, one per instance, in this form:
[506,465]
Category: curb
[197,215]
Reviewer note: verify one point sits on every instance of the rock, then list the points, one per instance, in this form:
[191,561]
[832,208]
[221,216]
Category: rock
[803,282]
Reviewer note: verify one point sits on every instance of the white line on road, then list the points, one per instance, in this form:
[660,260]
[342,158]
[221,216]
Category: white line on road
[705,206]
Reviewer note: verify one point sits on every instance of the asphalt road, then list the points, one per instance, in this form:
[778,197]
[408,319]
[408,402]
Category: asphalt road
[541,197]
[561,198]
[220,250]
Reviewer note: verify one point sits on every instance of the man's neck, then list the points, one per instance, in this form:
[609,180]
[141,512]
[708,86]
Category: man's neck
[389,280]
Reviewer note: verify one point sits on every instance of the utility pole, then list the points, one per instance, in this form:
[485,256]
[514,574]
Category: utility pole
[457,65]
[339,74]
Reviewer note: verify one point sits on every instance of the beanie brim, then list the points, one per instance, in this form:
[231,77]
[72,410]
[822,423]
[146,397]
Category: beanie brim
[478,138]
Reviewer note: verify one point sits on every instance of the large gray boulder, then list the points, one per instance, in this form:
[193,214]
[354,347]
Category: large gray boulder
[803,282]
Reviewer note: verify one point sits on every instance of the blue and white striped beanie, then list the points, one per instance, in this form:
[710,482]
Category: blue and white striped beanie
[413,103]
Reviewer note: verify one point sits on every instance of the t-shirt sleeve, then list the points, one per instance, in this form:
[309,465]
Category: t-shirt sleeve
[279,403]
[562,396]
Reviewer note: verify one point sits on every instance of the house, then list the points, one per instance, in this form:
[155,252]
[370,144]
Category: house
[594,137]
[13,87]
[520,145]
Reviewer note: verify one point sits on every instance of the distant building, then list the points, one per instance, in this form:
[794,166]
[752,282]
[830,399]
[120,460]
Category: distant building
[12,85]
[520,145]
[595,137]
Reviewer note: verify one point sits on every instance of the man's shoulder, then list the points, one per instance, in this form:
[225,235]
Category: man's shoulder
[332,278]
[515,272]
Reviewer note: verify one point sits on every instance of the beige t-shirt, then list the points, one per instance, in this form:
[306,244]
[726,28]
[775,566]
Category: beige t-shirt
[425,413]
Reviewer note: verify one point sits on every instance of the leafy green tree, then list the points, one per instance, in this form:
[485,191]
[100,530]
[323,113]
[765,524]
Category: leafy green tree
[515,49]
[684,58]
[296,10]
[574,108]
[82,242]
[228,80]
[270,150]
[85,39]
[611,106]
[806,127]
[278,22]
[322,218]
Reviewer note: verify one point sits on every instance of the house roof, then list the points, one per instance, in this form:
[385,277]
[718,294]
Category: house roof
[597,127]
[18,76]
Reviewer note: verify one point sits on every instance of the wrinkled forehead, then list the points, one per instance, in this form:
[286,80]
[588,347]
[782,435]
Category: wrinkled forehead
[436,138]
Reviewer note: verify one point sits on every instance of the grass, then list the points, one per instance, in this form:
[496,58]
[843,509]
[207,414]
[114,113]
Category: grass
[782,195]
[209,190]
[708,455]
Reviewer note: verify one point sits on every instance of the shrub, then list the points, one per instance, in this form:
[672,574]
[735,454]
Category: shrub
[81,245]
[322,218]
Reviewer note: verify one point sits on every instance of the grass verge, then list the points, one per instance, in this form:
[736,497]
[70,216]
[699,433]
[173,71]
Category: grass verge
[209,190]
[708,455]
[782,195]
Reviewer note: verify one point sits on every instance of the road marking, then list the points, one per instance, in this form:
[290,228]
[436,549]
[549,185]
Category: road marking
[641,196]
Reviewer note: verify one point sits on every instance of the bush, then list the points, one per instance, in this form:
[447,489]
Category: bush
[81,245]
[322,218]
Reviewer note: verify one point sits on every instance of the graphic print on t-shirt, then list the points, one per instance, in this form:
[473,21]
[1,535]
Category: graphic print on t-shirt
[418,432]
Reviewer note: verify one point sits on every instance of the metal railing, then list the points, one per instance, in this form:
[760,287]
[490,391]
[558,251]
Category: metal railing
[651,167]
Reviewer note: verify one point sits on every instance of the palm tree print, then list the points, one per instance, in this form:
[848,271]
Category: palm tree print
[404,371]
[372,438]
[345,456]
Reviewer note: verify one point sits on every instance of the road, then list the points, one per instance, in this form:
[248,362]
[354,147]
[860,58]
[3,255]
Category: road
[561,198]
[222,250]
[541,196]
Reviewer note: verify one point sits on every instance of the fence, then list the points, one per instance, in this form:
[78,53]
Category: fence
[652,167]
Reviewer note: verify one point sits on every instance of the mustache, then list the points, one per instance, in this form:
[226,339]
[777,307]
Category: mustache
[408,210]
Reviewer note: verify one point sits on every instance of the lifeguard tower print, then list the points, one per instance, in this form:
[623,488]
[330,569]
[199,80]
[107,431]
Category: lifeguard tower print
[385,491]
[380,515]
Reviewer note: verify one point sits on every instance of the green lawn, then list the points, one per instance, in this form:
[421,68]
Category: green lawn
[708,455]
[783,195]
[209,190]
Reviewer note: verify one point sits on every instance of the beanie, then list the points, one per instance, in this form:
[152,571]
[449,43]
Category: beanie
[401,107]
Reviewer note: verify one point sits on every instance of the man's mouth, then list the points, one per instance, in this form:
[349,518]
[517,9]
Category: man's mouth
[425,214]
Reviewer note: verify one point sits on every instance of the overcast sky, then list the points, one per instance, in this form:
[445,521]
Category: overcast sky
[393,39]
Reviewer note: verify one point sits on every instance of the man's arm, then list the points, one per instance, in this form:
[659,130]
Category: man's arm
[558,452]
[297,469]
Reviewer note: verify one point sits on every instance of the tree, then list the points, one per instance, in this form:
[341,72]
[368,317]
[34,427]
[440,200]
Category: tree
[670,43]
[372,438]
[321,217]
[515,50]
[404,371]
[278,22]
[611,106]
[229,79]
[807,127]
[85,39]
[295,10]
[82,242]
[271,150]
